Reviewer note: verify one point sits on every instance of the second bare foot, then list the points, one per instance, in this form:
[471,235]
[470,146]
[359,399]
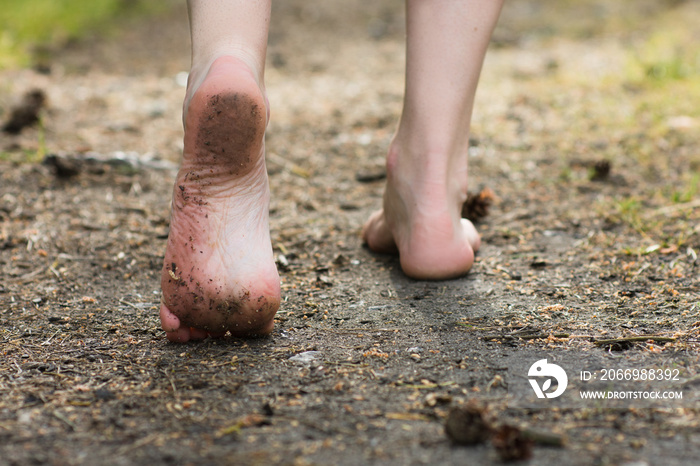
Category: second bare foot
[421,222]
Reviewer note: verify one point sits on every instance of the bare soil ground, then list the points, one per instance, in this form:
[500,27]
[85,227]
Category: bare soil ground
[586,134]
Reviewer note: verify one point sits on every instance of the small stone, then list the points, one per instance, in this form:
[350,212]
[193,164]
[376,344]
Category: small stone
[282,261]
[324,280]
[307,357]
[515,276]
[104,394]
[433,399]
[340,260]
[467,425]
[181,78]
[371,175]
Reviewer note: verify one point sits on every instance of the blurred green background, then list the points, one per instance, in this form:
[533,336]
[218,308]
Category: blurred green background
[29,28]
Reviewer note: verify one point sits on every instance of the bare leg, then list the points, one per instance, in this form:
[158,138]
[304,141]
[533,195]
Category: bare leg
[219,273]
[427,160]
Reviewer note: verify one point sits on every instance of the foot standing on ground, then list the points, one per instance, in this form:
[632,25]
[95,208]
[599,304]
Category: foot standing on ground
[427,160]
[219,273]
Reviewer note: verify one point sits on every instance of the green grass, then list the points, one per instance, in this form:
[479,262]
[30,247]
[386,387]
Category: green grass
[686,191]
[670,51]
[27,26]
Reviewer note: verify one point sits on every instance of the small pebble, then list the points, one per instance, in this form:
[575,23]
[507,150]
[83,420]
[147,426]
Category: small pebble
[104,394]
[181,78]
[467,425]
[307,357]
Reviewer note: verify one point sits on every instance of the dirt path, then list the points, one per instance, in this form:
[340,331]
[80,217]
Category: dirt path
[593,236]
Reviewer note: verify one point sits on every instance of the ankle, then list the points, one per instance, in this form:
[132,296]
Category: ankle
[202,61]
[428,173]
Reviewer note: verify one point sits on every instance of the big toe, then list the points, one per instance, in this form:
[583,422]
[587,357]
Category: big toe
[171,324]
[472,235]
[377,236]
[168,321]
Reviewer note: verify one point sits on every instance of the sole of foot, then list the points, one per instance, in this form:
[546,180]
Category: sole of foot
[219,273]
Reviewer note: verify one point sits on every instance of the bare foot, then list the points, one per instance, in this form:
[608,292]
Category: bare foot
[219,273]
[421,221]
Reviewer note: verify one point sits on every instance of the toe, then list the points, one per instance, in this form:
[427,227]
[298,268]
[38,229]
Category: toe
[471,233]
[198,334]
[377,236]
[171,324]
[168,320]
[181,335]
